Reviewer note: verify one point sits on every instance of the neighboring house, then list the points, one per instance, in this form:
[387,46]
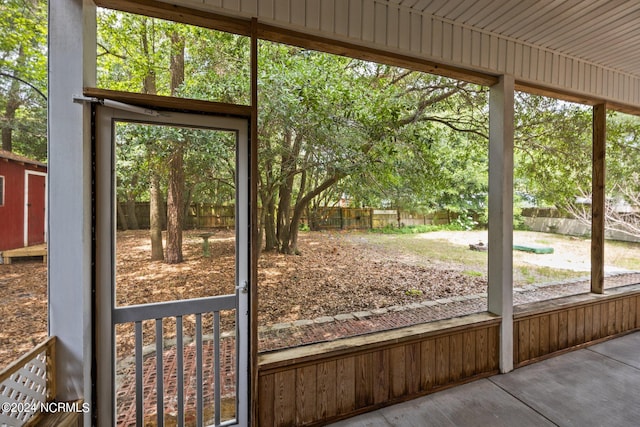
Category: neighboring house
[23,203]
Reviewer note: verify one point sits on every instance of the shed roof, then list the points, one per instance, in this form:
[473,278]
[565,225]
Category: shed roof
[8,155]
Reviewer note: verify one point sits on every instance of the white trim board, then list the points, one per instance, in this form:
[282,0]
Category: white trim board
[25,225]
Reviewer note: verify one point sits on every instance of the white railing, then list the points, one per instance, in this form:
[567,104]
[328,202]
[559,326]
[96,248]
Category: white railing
[27,384]
[176,310]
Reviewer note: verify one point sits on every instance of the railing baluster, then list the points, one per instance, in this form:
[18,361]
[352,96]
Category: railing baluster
[216,373]
[178,309]
[139,376]
[180,368]
[159,375]
[199,385]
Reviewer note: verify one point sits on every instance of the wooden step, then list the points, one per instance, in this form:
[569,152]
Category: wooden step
[29,251]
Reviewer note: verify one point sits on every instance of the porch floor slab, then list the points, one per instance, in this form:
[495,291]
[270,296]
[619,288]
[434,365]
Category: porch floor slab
[594,386]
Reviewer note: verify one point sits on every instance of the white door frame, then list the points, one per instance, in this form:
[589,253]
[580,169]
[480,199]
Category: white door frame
[105,223]
[26,204]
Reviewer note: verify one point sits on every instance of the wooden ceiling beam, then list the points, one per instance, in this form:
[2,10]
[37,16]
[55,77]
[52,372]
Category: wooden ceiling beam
[569,96]
[181,14]
[342,48]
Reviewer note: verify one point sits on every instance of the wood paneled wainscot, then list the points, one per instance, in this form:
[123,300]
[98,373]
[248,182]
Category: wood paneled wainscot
[324,382]
[544,328]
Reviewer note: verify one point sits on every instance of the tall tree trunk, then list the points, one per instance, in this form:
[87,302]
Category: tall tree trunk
[175,207]
[268,223]
[122,218]
[291,245]
[175,193]
[288,171]
[132,219]
[177,62]
[149,82]
[12,105]
[156,209]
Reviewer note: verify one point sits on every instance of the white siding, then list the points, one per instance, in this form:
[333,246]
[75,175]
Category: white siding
[430,30]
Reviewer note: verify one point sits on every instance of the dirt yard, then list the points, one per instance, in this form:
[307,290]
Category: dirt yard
[335,273]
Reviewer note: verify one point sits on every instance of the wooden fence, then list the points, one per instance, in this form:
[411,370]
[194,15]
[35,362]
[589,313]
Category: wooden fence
[199,215]
[205,215]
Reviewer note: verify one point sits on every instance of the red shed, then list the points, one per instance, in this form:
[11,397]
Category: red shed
[23,205]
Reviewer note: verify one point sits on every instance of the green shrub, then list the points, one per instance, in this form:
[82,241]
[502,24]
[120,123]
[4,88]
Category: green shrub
[418,229]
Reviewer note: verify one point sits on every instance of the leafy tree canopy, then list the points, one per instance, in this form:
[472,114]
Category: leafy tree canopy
[23,77]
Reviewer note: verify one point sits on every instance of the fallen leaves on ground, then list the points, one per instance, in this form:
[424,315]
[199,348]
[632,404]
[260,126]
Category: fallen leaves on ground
[333,274]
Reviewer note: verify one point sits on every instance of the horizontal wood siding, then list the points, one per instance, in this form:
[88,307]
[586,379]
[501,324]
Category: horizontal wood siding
[330,386]
[540,334]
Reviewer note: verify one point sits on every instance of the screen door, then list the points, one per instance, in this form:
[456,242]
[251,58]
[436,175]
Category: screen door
[172,268]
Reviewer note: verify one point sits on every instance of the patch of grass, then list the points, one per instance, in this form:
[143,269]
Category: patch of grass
[544,242]
[429,251]
[473,273]
[530,274]
[525,275]
[622,254]
[433,250]
[416,229]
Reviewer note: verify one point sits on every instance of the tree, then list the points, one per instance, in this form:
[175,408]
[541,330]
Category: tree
[329,122]
[128,60]
[141,54]
[23,72]
[622,201]
[552,149]
[175,192]
[331,126]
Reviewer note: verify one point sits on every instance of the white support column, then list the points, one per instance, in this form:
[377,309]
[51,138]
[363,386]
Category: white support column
[71,67]
[501,213]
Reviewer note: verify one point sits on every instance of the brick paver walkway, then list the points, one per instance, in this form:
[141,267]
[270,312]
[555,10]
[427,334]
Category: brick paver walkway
[318,330]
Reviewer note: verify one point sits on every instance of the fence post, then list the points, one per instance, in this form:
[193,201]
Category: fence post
[341,218]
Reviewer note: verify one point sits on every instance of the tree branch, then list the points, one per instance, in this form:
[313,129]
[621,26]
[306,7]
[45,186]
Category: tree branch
[25,82]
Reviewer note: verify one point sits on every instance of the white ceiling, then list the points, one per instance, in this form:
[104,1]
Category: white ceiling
[603,32]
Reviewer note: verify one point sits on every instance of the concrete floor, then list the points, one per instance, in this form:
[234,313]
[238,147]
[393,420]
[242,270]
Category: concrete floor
[595,386]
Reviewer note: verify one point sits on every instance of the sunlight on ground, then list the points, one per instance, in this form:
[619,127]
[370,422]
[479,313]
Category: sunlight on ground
[570,253]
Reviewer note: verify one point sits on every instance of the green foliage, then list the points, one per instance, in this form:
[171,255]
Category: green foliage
[134,54]
[413,292]
[553,149]
[304,227]
[418,229]
[23,76]
[333,128]
[463,221]
[473,273]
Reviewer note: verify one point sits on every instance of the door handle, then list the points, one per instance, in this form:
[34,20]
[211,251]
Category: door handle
[243,287]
